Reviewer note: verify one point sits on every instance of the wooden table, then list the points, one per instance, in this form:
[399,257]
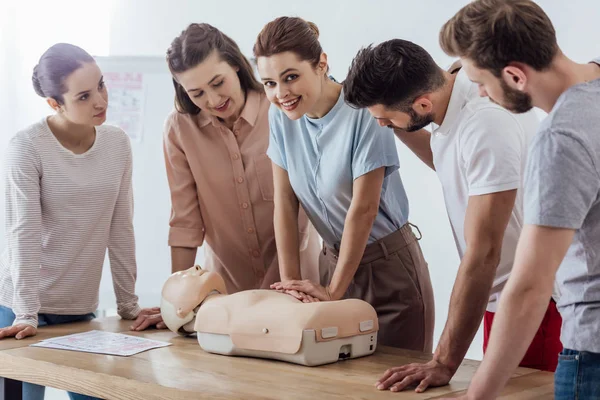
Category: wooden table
[184,371]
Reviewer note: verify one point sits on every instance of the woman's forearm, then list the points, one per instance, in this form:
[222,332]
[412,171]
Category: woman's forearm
[286,235]
[182,258]
[357,228]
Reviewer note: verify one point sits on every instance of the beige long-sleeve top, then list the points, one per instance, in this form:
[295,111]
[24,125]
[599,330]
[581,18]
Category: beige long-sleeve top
[63,211]
[221,183]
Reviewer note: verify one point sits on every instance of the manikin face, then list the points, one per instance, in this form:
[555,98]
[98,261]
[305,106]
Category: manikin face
[183,292]
[214,86]
[86,99]
[185,289]
[501,91]
[291,84]
[195,274]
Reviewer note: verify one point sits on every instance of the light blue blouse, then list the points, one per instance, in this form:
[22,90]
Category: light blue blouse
[324,156]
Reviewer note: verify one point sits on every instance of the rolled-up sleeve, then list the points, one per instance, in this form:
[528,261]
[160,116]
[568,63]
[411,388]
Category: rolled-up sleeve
[276,151]
[491,146]
[374,147]
[186,223]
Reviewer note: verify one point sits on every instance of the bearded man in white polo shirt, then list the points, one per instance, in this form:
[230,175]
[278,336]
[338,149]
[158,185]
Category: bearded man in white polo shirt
[479,150]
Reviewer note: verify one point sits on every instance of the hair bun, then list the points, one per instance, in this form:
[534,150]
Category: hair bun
[313,27]
[36,82]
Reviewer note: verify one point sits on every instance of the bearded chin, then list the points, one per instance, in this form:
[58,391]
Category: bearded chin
[418,121]
[515,101]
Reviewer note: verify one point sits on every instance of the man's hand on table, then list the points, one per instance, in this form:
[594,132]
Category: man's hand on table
[148,317]
[19,331]
[432,374]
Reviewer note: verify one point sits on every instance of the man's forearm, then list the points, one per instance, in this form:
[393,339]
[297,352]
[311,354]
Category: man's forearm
[519,315]
[419,143]
[522,306]
[467,305]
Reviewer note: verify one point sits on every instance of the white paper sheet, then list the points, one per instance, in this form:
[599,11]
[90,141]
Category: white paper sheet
[101,342]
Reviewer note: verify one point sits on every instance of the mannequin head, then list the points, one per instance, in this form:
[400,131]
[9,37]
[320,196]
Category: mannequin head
[183,293]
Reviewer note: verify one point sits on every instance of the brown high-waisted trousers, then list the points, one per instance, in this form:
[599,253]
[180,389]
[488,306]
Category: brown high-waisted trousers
[393,277]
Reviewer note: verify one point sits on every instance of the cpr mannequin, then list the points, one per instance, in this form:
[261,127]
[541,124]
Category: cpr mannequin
[266,323]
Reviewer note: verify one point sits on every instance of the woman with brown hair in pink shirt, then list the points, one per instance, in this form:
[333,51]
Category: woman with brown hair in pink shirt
[220,177]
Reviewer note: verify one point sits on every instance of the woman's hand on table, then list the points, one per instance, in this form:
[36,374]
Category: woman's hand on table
[148,317]
[20,331]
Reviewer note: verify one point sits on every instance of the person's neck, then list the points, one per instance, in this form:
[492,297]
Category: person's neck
[229,122]
[441,98]
[547,86]
[330,95]
[70,133]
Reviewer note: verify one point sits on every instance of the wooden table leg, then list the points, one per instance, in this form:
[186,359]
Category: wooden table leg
[11,389]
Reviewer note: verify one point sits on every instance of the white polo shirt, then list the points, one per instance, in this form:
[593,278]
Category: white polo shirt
[481,148]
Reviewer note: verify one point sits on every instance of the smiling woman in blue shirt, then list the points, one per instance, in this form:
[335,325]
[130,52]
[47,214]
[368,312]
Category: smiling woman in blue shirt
[342,168]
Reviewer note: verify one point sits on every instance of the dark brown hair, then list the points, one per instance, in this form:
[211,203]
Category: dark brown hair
[494,33]
[289,34]
[55,65]
[192,47]
[394,73]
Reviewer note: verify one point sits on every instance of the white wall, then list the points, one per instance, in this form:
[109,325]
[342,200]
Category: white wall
[27,29]
[7,51]
[146,27]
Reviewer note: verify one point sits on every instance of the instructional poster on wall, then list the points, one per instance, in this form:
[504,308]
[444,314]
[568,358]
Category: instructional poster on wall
[126,98]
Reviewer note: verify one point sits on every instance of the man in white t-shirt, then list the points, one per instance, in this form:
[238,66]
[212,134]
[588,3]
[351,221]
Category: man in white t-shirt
[479,150]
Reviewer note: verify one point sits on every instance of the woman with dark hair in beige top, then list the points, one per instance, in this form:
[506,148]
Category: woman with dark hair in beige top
[220,177]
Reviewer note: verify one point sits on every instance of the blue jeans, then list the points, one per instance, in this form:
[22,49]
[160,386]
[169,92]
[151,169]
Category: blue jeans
[577,376]
[32,391]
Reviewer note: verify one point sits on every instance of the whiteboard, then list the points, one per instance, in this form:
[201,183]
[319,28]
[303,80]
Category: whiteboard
[138,89]
[150,189]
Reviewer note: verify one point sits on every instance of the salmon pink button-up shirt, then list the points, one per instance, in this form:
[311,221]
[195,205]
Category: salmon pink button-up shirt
[221,183]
